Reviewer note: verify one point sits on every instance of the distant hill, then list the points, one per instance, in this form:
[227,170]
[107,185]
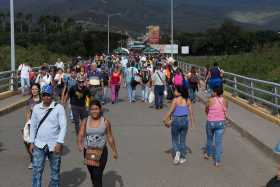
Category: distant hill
[189,15]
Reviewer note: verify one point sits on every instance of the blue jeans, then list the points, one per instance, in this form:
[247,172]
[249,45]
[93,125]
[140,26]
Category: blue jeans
[24,82]
[215,129]
[145,92]
[192,94]
[38,163]
[179,129]
[159,92]
[131,92]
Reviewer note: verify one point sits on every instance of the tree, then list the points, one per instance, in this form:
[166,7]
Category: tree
[20,21]
[29,21]
[3,21]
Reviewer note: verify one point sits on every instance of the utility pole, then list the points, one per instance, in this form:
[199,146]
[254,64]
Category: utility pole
[13,59]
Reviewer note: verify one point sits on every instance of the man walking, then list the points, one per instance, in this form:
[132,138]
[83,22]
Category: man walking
[24,70]
[158,79]
[131,82]
[47,133]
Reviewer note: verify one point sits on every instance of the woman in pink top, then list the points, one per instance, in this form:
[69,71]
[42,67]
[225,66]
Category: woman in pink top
[216,110]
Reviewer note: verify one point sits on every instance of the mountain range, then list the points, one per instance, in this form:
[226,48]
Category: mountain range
[189,15]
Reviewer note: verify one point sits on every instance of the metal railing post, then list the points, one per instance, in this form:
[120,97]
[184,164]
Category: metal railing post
[252,92]
[13,81]
[275,109]
[235,87]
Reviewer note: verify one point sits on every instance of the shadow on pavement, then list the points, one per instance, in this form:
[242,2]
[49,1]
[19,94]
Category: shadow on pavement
[1,147]
[111,179]
[73,178]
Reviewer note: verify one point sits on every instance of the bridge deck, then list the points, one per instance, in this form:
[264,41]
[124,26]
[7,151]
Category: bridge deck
[144,161]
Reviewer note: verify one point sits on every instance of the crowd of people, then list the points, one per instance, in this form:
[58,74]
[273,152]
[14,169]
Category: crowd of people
[84,85]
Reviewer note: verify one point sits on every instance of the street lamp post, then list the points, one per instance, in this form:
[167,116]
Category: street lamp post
[171,11]
[108,22]
[13,61]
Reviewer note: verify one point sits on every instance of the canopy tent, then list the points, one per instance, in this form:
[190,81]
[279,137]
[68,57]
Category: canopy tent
[150,50]
[121,50]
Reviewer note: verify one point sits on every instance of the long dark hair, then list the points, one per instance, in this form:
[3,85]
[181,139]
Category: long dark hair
[183,92]
[39,90]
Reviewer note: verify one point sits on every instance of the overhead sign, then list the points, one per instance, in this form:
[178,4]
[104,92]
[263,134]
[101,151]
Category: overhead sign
[166,49]
[185,50]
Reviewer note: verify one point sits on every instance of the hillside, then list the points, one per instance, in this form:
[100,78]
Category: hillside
[262,64]
[191,15]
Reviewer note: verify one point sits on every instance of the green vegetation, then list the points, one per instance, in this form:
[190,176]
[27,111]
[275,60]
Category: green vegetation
[49,37]
[35,55]
[262,64]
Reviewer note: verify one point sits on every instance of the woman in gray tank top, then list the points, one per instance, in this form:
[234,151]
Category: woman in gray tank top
[95,132]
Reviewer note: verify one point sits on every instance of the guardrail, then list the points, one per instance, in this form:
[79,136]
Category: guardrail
[9,80]
[255,91]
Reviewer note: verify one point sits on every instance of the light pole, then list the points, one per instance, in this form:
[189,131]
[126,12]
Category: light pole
[171,11]
[13,59]
[108,22]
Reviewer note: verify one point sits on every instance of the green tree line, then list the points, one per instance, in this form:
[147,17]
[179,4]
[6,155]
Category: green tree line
[60,36]
[228,39]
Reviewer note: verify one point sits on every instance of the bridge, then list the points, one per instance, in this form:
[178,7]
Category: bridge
[144,147]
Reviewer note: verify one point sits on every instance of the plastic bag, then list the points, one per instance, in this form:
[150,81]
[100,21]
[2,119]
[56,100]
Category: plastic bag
[26,132]
[151,97]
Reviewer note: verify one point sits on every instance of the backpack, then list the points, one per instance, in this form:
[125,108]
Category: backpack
[145,76]
[178,80]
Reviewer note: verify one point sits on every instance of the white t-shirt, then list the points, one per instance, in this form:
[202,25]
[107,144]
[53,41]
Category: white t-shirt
[24,70]
[43,80]
[59,65]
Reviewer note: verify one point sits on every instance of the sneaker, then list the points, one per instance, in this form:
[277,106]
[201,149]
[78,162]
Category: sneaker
[177,158]
[30,166]
[182,160]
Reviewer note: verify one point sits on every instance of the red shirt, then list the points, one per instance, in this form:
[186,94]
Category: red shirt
[115,78]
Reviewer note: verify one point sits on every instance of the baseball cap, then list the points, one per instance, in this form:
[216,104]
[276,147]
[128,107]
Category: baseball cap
[47,90]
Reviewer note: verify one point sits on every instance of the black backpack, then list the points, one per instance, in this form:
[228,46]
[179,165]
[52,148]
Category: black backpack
[145,76]
[273,182]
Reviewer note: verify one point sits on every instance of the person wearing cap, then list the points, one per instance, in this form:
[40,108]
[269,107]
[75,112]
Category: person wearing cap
[47,137]
[95,82]
[79,100]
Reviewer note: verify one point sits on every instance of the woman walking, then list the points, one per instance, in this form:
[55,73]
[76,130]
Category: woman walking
[115,84]
[32,101]
[216,111]
[181,116]
[95,131]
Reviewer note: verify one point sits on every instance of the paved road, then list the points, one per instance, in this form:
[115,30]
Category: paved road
[144,161]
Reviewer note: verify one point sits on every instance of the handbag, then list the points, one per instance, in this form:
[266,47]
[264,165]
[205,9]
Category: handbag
[92,157]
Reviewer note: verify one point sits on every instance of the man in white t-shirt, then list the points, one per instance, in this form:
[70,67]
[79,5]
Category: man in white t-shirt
[24,70]
[59,64]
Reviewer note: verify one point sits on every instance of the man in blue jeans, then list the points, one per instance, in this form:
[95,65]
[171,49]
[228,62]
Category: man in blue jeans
[158,79]
[47,137]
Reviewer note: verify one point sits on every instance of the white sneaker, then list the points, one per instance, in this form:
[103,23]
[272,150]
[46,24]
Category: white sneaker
[182,160]
[30,166]
[177,158]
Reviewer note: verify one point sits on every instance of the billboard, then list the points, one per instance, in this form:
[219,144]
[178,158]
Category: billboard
[166,48]
[153,33]
[185,50]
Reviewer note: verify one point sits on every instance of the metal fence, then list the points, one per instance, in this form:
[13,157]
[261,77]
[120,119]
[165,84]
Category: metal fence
[9,80]
[263,93]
